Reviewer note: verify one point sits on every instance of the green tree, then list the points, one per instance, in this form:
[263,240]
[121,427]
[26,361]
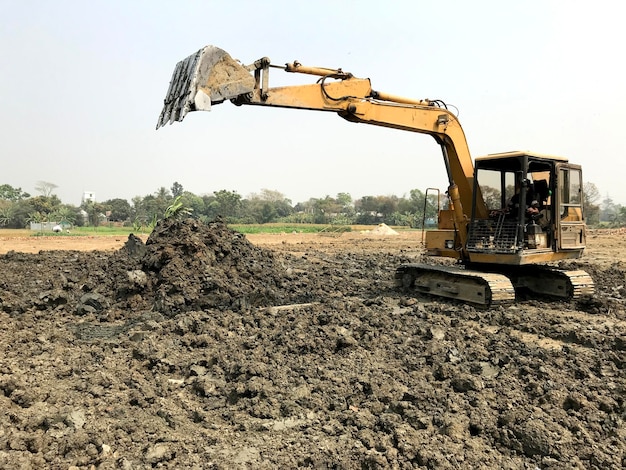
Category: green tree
[195,203]
[268,213]
[44,204]
[367,204]
[227,204]
[16,213]
[403,219]
[279,203]
[151,207]
[120,209]
[617,216]
[493,196]
[163,194]
[590,203]
[621,216]
[136,208]
[414,203]
[325,210]
[9,193]
[64,215]
[7,214]
[376,209]
[348,214]
[367,210]
[95,212]
[267,206]
[344,200]
[387,205]
[177,189]
[608,210]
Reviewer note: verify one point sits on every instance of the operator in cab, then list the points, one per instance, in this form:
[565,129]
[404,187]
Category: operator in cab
[532,207]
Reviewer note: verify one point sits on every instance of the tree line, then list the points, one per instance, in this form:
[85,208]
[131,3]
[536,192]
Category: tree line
[18,208]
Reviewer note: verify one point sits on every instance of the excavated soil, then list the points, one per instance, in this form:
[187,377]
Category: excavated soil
[200,349]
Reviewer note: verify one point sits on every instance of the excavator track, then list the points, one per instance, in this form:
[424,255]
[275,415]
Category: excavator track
[456,283]
[493,288]
[553,282]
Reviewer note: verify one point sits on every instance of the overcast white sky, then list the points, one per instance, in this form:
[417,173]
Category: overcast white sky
[82,85]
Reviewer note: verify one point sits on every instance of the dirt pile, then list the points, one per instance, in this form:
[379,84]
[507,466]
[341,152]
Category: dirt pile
[382,230]
[187,265]
[200,350]
[183,266]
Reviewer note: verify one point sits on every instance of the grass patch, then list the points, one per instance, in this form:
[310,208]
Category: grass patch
[241,228]
[73,232]
[103,231]
[284,228]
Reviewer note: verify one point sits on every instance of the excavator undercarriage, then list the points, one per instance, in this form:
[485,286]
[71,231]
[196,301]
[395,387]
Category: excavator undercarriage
[489,286]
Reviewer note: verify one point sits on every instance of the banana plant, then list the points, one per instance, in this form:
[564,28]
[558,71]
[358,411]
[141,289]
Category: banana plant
[178,209]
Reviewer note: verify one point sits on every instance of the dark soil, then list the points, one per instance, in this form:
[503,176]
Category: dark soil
[201,350]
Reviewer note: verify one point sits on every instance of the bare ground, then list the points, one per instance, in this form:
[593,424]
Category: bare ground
[201,348]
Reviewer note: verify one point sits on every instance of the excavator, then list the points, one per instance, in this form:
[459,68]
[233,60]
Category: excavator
[510,219]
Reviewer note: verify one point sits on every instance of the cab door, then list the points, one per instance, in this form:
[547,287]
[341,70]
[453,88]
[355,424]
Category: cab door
[571,228]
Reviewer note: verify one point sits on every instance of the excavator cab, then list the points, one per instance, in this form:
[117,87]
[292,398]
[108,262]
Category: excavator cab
[535,210]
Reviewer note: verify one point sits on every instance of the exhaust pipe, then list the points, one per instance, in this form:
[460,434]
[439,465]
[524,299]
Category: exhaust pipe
[207,77]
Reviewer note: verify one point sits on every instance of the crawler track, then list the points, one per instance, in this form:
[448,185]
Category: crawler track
[551,282]
[466,285]
[497,286]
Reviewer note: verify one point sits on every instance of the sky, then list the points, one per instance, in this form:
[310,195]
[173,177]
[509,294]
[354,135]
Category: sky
[83,82]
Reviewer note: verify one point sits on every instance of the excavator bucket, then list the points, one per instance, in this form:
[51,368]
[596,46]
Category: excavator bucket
[207,77]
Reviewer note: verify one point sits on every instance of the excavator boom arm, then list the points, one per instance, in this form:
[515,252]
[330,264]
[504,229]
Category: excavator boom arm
[211,76]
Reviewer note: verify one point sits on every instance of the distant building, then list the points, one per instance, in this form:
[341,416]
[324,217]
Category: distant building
[84,215]
[89,196]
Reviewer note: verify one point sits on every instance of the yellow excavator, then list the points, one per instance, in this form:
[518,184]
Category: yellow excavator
[509,214]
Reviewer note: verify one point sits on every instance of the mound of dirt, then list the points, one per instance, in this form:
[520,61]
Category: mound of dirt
[197,349]
[194,266]
[381,229]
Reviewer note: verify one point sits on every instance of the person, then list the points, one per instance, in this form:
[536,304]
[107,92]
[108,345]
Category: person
[532,206]
[532,210]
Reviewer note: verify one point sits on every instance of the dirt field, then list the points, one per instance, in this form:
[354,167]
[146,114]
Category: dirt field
[201,348]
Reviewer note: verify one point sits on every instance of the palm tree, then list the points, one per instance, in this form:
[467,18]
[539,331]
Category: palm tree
[7,213]
[64,216]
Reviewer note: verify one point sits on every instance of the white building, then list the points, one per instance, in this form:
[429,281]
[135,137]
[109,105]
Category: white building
[89,196]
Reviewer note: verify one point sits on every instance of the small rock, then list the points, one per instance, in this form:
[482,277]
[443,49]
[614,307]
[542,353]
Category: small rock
[137,277]
[76,419]
[91,302]
[197,370]
[158,453]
